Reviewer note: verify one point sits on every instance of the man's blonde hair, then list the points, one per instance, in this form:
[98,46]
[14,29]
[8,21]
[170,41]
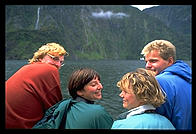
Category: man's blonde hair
[144,85]
[166,49]
[53,49]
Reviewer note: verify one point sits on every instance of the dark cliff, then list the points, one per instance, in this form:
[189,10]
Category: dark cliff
[90,31]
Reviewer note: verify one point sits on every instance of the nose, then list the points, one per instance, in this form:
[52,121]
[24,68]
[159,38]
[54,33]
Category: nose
[100,86]
[121,94]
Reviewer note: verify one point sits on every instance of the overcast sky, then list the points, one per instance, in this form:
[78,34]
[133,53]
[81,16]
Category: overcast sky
[142,7]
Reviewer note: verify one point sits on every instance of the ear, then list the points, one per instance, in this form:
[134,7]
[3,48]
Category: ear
[170,61]
[80,92]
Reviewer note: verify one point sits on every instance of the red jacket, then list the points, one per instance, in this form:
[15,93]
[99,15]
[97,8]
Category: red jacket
[29,93]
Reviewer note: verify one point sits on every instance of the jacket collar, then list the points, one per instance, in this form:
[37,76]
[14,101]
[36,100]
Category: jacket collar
[79,98]
[140,110]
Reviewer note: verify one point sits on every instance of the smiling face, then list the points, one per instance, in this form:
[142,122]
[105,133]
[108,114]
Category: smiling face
[140,87]
[159,54]
[155,63]
[92,90]
[129,99]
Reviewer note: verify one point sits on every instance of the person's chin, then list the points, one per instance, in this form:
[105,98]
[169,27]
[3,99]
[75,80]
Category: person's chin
[99,97]
[126,106]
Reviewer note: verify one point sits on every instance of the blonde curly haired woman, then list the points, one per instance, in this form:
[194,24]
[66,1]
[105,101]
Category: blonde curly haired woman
[141,95]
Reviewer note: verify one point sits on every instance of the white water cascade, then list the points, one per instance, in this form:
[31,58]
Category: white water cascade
[37,22]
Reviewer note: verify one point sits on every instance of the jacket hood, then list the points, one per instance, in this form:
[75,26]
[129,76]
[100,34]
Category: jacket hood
[181,69]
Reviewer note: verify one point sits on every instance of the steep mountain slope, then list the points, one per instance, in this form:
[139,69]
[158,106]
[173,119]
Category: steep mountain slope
[86,31]
[176,17]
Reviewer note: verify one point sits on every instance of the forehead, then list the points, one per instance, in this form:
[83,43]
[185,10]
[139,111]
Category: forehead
[153,53]
[126,86]
[128,90]
[95,79]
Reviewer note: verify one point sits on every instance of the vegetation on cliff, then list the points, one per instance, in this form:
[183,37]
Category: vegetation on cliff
[91,31]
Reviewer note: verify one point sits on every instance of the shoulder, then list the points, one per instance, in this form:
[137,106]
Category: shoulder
[91,113]
[94,108]
[163,76]
[94,111]
[166,79]
[31,71]
[159,121]
[153,117]
[42,68]
[43,65]
[143,121]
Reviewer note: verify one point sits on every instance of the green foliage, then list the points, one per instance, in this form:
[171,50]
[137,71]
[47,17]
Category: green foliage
[84,36]
[89,56]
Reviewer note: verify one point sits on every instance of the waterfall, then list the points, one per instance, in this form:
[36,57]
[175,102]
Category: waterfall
[37,22]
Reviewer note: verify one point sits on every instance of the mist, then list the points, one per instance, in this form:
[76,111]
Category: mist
[109,15]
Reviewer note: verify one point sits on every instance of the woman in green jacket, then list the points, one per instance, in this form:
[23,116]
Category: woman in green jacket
[85,87]
[80,112]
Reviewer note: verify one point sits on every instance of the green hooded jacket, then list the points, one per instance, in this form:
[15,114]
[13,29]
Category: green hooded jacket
[71,114]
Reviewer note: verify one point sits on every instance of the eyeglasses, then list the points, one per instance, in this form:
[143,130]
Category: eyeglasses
[55,58]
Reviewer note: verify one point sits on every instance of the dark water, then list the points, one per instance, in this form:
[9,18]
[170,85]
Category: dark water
[110,71]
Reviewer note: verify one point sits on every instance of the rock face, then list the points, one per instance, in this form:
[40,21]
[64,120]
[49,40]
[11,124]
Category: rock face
[176,17]
[96,31]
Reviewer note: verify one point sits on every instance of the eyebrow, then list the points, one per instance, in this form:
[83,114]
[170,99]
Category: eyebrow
[154,59]
[93,81]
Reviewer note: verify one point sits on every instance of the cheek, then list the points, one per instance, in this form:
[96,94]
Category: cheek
[92,92]
[161,67]
[165,65]
[58,64]
[156,65]
[162,64]
[94,96]
[126,101]
[130,102]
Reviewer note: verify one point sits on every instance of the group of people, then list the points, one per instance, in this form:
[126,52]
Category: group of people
[157,97]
